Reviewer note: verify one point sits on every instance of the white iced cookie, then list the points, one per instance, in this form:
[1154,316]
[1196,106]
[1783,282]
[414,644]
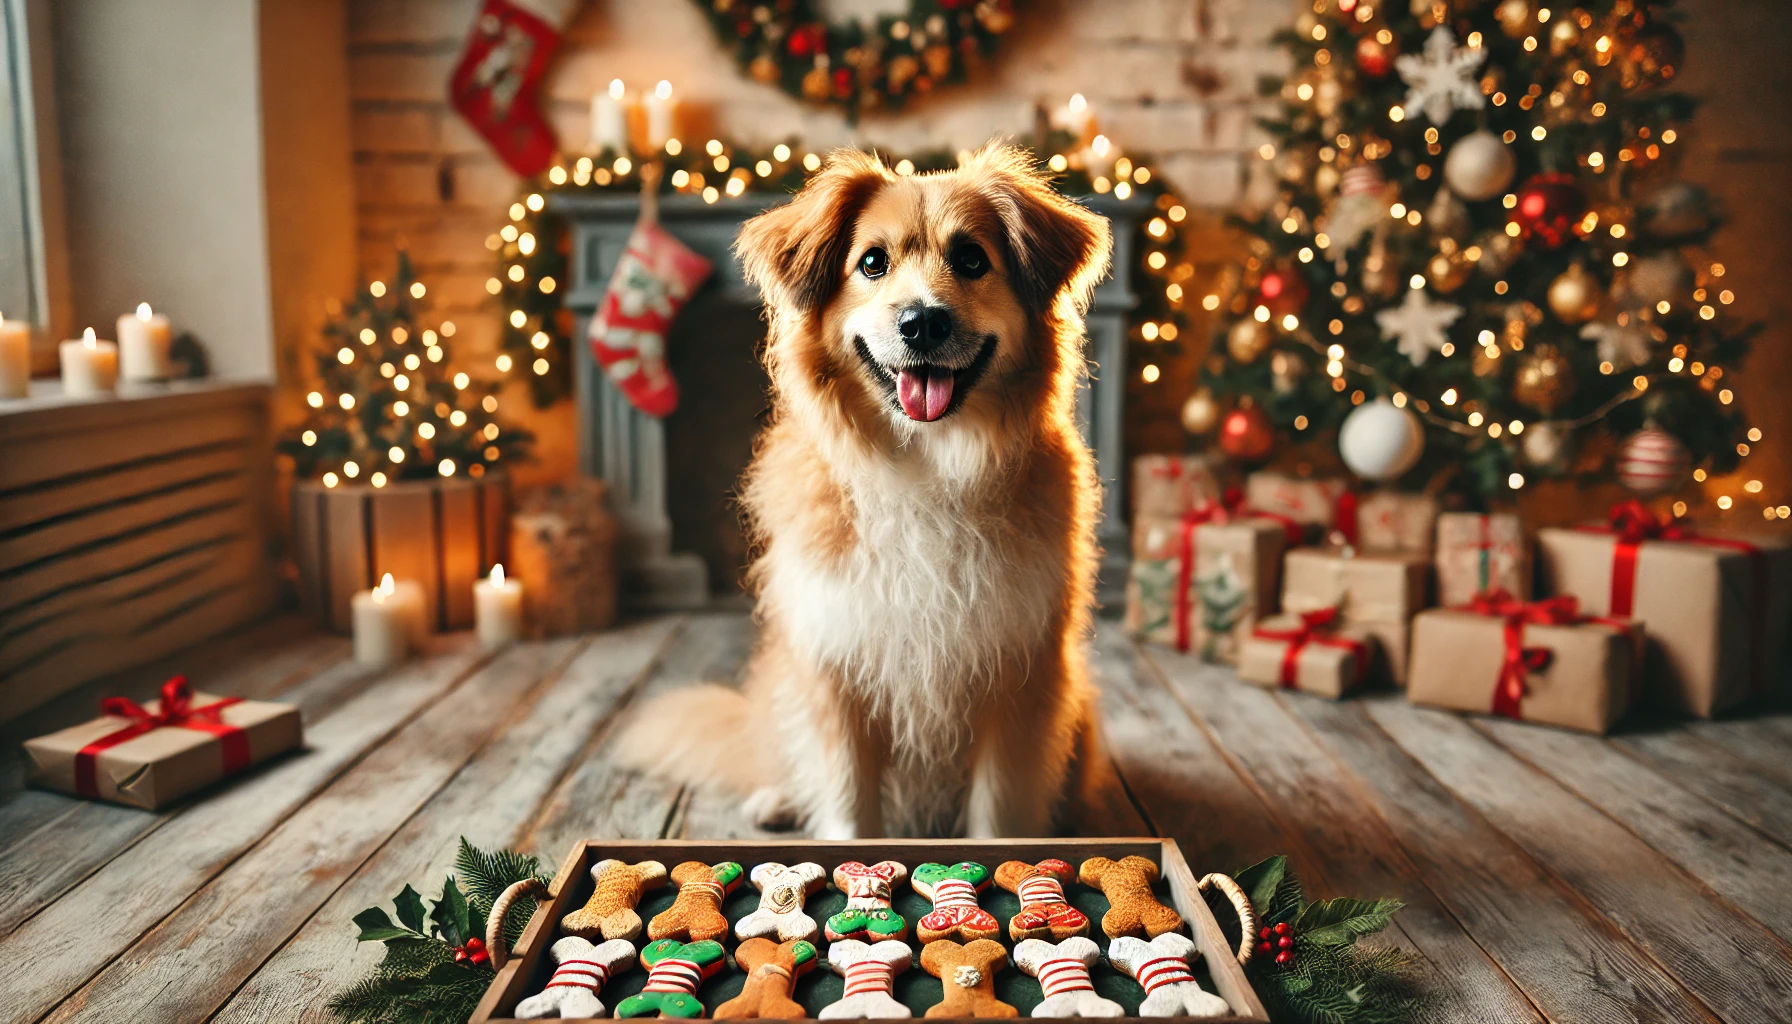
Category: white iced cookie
[1162,967]
[579,975]
[870,971]
[782,892]
[1063,972]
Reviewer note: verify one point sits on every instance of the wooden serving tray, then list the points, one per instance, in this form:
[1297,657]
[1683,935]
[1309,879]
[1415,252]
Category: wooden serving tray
[529,968]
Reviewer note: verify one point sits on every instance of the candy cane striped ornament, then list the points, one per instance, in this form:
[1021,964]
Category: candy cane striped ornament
[1653,461]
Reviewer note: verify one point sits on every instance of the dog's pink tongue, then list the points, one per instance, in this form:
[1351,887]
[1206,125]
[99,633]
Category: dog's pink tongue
[924,392]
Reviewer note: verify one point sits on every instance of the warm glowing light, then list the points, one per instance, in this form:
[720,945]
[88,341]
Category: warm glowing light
[426,430]
[401,408]
[1449,397]
[540,367]
[1151,373]
[331,480]
[445,467]
[347,401]
[503,362]
[386,588]
[780,152]
[377,289]
[315,400]
[1515,481]
[1724,501]
[811,162]
[663,90]
[351,470]
[497,576]
[1210,302]
[309,437]
[457,418]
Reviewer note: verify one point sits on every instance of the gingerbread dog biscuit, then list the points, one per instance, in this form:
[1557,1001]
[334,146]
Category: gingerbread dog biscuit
[955,913]
[1162,967]
[869,889]
[1133,907]
[674,970]
[696,913]
[772,969]
[610,912]
[1044,913]
[782,893]
[968,974]
[869,970]
[580,972]
[1063,972]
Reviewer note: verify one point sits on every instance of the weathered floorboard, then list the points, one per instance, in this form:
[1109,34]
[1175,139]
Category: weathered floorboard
[1711,771]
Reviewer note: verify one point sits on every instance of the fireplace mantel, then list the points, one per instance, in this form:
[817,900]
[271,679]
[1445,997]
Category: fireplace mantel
[627,449]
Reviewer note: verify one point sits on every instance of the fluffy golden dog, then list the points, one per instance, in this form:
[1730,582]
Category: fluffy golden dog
[923,508]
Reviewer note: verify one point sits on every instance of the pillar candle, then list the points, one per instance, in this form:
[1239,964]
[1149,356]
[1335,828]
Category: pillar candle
[497,610]
[89,366]
[144,342]
[662,111]
[408,596]
[609,119]
[382,630]
[15,358]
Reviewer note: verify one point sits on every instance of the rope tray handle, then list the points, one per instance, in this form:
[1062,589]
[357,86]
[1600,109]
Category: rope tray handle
[1247,915]
[494,928]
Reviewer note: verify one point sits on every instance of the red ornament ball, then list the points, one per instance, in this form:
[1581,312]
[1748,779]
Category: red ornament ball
[1653,461]
[1283,290]
[807,40]
[1246,434]
[1549,205]
[1374,58]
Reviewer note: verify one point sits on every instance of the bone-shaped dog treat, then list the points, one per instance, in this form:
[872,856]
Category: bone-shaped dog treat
[1044,913]
[968,974]
[696,914]
[869,970]
[581,972]
[1133,907]
[955,913]
[610,912]
[772,969]
[868,889]
[1063,972]
[674,970]
[782,893]
[1162,967]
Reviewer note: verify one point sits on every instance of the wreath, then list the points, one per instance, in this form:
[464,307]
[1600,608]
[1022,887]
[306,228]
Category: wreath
[852,67]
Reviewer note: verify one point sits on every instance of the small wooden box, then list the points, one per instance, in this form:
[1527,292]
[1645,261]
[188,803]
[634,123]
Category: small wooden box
[529,969]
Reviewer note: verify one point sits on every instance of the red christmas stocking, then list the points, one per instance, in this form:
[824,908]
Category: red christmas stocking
[497,84]
[651,284]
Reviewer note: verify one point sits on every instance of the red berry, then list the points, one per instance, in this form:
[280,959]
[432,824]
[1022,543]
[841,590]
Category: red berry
[460,956]
[1265,933]
[475,944]
[1284,958]
[1282,929]
[1285,942]
[1265,948]
[480,957]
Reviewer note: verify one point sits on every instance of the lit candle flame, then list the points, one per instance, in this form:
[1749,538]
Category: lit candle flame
[144,312]
[385,589]
[616,88]
[663,90]
[1077,103]
[88,338]
[1100,145]
[498,575]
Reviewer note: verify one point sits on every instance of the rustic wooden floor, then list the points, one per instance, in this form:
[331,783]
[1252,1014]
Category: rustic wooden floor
[1547,875]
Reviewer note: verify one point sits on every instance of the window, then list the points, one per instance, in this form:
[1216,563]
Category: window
[30,223]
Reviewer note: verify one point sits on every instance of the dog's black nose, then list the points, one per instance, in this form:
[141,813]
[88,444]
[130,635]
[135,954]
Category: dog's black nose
[924,328]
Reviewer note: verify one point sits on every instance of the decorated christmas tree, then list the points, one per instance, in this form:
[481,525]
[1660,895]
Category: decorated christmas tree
[1480,267]
[389,402]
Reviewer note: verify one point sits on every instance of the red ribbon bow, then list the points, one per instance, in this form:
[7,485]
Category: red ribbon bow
[1228,507]
[175,711]
[1315,627]
[1508,691]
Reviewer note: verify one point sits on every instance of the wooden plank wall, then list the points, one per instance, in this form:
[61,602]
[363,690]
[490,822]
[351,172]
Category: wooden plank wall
[129,528]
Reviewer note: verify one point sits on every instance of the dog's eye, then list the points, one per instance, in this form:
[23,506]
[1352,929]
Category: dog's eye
[969,260]
[875,263]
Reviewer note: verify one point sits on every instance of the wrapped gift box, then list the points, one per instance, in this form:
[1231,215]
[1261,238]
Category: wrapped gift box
[1164,486]
[1579,675]
[1378,593]
[1477,553]
[1715,609]
[1309,501]
[1395,521]
[149,756]
[1296,653]
[1210,606]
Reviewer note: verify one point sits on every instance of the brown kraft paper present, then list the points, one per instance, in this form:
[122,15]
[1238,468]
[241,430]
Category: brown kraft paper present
[1169,485]
[1714,609]
[1378,593]
[1293,652]
[1211,607]
[1309,501]
[1393,521]
[1477,553]
[149,756]
[1578,675]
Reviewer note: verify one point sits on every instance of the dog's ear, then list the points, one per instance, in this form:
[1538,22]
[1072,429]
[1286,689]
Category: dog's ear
[796,253]
[1055,246]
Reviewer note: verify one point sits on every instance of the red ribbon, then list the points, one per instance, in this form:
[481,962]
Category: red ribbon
[1315,627]
[1230,506]
[1344,516]
[175,712]
[1508,691]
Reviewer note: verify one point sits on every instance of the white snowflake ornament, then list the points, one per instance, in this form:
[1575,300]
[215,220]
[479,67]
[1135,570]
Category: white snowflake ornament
[1623,345]
[1418,325]
[1442,78]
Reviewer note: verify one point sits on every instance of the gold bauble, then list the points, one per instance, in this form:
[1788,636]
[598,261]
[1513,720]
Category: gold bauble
[1489,360]
[1201,413]
[1515,17]
[1574,296]
[939,60]
[903,69]
[1544,380]
[764,70]
[817,85]
[1447,271]
[1247,340]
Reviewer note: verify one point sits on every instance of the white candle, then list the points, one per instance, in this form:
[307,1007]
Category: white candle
[408,596]
[662,110]
[15,358]
[144,341]
[609,119]
[497,610]
[89,366]
[382,632]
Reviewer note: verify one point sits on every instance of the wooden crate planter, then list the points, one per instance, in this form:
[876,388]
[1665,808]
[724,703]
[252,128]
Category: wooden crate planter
[529,967]
[443,533]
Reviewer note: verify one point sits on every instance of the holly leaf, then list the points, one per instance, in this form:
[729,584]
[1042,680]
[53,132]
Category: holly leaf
[1339,922]
[451,915]
[377,927]
[410,909]
[1259,881]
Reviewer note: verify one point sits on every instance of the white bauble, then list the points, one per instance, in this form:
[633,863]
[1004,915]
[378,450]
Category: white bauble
[1379,441]
[1547,445]
[1479,166]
